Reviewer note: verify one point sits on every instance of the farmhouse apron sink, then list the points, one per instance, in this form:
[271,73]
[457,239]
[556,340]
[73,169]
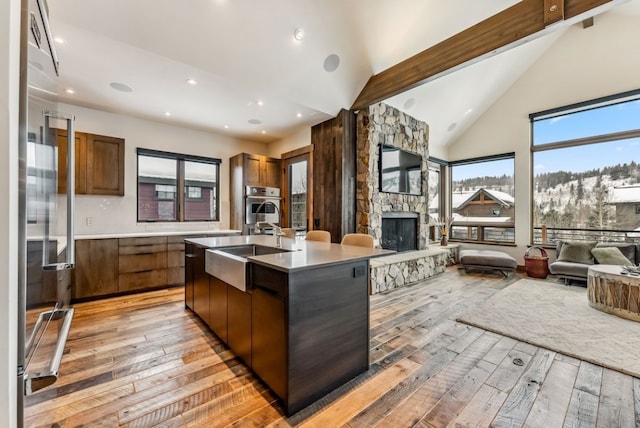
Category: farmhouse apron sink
[230,264]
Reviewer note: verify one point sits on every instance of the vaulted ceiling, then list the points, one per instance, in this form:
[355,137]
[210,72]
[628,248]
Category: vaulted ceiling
[254,79]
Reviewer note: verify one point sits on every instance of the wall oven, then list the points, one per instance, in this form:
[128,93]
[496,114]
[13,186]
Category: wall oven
[262,204]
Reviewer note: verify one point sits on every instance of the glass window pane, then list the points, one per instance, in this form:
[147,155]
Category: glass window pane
[298,194]
[200,180]
[596,121]
[482,201]
[433,194]
[592,197]
[157,182]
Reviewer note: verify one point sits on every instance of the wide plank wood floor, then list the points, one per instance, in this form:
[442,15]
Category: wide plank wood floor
[143,360]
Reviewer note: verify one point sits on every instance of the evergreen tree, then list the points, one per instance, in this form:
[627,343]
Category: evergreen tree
[580,189]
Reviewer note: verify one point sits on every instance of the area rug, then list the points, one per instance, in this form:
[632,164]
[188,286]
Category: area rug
[559,318]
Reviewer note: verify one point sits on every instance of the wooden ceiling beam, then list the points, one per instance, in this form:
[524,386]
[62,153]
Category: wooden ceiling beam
[495,34]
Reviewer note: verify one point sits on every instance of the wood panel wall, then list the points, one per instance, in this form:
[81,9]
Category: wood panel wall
[334,175]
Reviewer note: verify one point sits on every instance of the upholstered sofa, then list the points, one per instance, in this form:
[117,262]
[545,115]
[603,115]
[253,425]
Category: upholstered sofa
[573,262]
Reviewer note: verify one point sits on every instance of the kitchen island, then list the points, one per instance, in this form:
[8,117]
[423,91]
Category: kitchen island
[302,324]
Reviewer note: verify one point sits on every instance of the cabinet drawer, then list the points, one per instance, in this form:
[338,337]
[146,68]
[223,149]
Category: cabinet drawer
[141,262]
[172,246]
[142,249]
[151,240]
[140,280]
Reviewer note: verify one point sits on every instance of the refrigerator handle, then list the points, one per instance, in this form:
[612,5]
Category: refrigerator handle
[69,262]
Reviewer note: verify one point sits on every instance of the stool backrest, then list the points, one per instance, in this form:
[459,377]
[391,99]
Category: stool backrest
[318,235]
[288,232]
[358,239]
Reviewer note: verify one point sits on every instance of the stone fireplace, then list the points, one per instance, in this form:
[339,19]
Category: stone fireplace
[383,124]
[399,231]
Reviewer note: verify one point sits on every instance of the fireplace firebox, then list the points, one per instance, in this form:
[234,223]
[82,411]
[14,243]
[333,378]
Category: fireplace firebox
[400,231]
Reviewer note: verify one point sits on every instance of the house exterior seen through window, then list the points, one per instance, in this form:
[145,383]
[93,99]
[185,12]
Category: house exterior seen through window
[482,199]
[175,187]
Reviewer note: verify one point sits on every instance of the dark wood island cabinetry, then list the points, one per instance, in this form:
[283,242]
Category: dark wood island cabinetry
[303,324]
[310,329]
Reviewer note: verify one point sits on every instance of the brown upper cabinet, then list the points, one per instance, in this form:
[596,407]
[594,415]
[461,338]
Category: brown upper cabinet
[99,164]
[257,170]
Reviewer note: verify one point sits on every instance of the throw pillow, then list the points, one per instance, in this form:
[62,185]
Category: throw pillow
[610,256]
[577,252]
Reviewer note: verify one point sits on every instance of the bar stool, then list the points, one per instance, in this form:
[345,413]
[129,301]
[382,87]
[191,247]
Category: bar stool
[318,235]
[288,232]
[358,239]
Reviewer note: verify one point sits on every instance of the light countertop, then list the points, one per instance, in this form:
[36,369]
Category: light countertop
[301,254]
[159,233]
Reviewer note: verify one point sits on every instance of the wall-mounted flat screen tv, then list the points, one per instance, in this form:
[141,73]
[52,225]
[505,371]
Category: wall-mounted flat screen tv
[400,171]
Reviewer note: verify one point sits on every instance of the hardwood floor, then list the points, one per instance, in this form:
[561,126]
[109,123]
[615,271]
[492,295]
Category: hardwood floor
[144,360]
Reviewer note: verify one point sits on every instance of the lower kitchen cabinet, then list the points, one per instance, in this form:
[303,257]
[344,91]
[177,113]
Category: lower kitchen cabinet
[200,286]
[218,307]
[239,323]
[96,272]
[175,260]
[142,263]
[310,329]
[111,266]
[189,274]
[268,339]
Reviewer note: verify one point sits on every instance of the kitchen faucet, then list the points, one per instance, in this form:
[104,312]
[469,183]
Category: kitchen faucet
[277,230]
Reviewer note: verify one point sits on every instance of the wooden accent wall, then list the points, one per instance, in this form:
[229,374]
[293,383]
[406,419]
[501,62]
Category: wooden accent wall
[334,175]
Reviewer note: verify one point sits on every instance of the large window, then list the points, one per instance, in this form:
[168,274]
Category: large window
[175,187]
[586,178]
[482,199]
[435,194]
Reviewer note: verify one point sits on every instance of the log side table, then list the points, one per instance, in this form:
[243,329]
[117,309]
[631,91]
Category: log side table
[610,291]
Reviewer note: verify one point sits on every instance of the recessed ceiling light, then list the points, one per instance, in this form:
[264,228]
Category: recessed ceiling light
[226,127]
[255,121]
[260,103]
[331,63]
[167,113]
[59,40]
[192,82]
[468,111]
[70,91]
[264,132]
[121,87]
[299,115]
[298,34]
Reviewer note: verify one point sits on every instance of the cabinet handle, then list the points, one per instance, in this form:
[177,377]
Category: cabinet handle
[190,256]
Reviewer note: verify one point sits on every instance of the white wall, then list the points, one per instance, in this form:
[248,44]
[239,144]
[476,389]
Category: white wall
[297,140]
[9,83]
[116,214]
[583,64]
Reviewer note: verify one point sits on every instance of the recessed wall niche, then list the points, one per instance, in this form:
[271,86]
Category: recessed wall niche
[383,124]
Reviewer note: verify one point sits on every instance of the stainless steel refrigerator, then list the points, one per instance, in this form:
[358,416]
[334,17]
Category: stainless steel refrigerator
[46,247]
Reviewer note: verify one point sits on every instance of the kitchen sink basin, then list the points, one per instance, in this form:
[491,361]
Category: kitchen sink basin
[251,250]
[230,264]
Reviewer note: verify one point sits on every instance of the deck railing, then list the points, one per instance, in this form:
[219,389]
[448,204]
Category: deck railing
[543,235]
